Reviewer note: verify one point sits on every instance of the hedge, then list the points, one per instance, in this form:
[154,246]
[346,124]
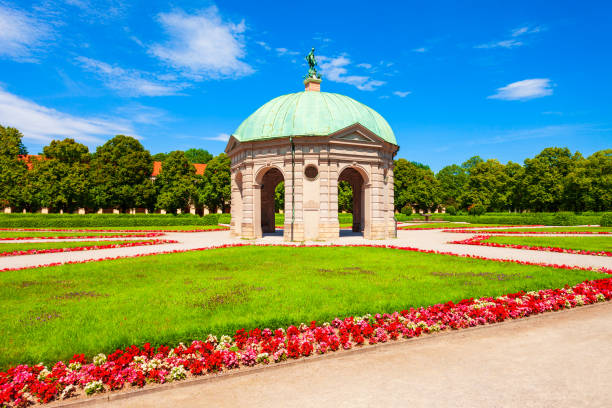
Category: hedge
[103,220]
[561,218]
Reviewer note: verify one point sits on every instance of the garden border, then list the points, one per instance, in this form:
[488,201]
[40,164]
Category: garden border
[83,401]
[89,248]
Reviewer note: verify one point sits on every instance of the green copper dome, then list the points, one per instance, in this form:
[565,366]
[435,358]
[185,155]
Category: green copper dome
[311,113]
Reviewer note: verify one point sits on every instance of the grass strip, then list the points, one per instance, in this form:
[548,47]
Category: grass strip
[9,248]
[591,243]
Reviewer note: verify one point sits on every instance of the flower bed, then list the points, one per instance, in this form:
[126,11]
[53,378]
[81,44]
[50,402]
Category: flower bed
[77,237]
[479,240]
[548,231]
[89,248]
[221,228]
[137,366]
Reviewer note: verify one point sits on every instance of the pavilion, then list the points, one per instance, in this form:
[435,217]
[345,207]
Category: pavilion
[312,140]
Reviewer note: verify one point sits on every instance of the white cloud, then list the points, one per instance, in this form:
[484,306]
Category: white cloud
[512,42]
[284,51]
[264,45]
[202,45]
[221,137]
[21,35]
[365,65]
[526,30]
[421,49]
[524,90]
[335,69]
[501,44]
[131,82]
[402,94]
[42,124]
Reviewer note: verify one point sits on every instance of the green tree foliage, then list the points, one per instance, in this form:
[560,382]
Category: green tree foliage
[176,183]
[588,186]
[160,157]
[279,197]
[415,186]
[487,186]
[453,180]
[215,190]
[544,178]
[471,162]
[60,180]
[345,197]
[514,185]
[12,169]
[198,156]
[121,175]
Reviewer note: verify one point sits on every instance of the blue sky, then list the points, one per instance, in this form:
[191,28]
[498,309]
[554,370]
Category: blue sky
[454,79]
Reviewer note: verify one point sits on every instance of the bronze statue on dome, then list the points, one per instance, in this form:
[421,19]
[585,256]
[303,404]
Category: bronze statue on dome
[312,63]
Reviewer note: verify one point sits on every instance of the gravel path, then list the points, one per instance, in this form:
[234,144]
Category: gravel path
[422,239]
[552,360]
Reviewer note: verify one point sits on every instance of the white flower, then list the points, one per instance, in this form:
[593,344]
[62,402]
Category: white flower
[94,387]
[99,359]
[178,373]
[43,373]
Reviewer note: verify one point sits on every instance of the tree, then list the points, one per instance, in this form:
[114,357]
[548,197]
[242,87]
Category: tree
[487,186]
[515,188]
[121,175]
[471,162]
[198,156]
[453,180]
[279,197]
[545,178]
[12,169]
[415,186]
[160,157]
[589,185]
[345,197]
[176,183]
[215,191]
[61,180]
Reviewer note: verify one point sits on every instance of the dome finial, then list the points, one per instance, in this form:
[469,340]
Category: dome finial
[312,81]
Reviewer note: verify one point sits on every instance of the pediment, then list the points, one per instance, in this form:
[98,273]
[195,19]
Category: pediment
[231,144]
[354,136]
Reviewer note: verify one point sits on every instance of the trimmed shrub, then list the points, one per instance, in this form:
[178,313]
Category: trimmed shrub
[451,210]
[476,209]
[103,220]
[564,218]
[225,218]
[606,220]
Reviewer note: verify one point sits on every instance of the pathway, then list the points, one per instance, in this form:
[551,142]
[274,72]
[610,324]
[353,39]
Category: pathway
[422,239]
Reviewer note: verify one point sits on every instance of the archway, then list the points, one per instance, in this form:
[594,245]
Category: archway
[357,182]
[269,181]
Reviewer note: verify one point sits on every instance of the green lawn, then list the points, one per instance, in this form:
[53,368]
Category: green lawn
[594,243]
[51,313]
[160,228]
[42,233]
[50,245]
[552,229]
[448,225]
[46,232]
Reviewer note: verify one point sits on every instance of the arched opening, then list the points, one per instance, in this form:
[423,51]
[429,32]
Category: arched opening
[353,178]
[269,182]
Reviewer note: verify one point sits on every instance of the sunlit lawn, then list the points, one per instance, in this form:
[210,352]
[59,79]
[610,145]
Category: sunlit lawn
[589,243]
[12,247]
[51,313]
